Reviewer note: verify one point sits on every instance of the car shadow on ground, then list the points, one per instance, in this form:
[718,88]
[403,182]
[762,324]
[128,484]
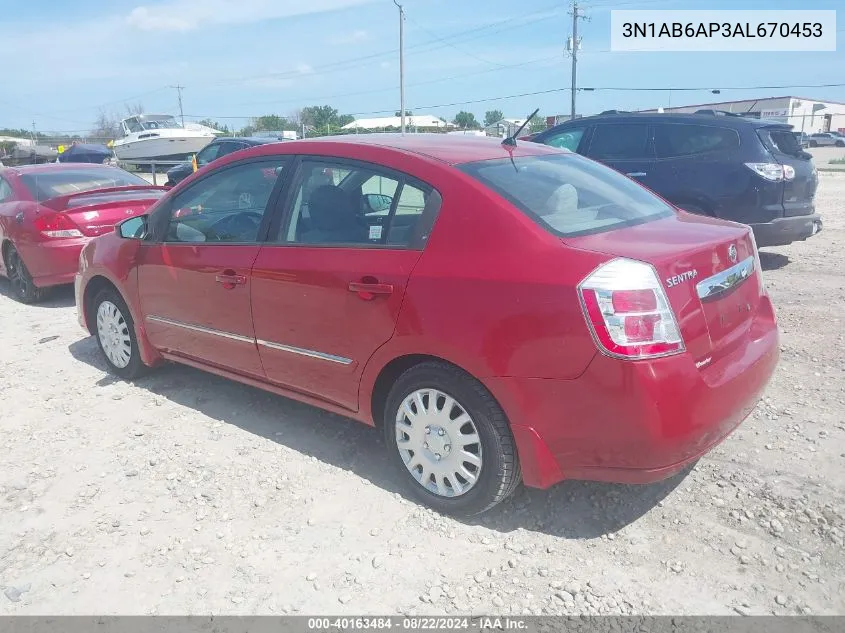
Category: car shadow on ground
[772,261]
[58,297]
[572,510]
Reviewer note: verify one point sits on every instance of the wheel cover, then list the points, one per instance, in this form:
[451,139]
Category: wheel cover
[438,442]
[113,332]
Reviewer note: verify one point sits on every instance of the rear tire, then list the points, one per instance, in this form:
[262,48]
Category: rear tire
[813,144]
[840,143]
[115,334]
[457,456]
[22,285]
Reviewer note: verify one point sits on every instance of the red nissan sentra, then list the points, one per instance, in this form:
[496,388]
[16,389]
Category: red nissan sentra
[503,313]
[48,212]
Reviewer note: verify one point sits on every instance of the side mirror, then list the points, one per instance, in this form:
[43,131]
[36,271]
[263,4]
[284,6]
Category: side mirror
[132,228]
[376,202]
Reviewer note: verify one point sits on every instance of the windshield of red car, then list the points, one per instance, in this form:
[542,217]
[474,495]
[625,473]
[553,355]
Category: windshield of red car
[569,195]
[47,185]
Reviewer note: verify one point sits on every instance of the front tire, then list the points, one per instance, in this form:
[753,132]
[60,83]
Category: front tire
[23,287]
[115,333]
[450,440]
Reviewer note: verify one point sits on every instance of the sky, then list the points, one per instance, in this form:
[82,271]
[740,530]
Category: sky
[66,61]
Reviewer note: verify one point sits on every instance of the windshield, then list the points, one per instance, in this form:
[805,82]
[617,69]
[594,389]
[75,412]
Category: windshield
[160,123]
[569,195]
[46,185]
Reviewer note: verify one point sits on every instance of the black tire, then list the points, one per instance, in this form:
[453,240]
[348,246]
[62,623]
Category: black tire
[840,143]
[813,144]
[135,366]
[500,472]
[20,281]
[170,183]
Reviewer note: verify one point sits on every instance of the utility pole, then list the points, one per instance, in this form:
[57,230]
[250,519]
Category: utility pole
[574,43]
[179,90]
[401,63]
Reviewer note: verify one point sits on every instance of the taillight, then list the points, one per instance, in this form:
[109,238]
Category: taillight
[628,312]
[56,225]
[774,172]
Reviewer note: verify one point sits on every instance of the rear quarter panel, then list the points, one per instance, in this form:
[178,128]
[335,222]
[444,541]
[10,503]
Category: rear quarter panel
[493,293]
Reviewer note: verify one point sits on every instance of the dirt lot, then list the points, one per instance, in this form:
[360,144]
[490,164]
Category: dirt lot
[186,493]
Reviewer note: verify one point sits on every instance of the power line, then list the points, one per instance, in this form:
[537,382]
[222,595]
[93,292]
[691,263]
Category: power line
[451,45]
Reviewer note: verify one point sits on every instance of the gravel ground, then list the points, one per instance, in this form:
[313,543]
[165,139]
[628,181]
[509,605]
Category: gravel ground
[187,493]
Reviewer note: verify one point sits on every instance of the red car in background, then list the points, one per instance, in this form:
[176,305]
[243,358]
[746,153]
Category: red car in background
[504,313]
[49,212]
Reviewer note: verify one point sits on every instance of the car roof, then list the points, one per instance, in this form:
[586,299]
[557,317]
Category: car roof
[674,117]
[50,167]
[451,149]
[252,140]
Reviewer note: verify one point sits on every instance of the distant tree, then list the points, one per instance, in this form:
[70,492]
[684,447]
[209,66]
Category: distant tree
[134,109]
[216,126]
[538,123]
[319,117]
[106,126]
[466,121]
[492,116]
[270,123]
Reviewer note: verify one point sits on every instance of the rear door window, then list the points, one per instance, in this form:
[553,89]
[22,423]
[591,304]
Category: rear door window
[672,140]
[569,195]
[783,141]
[620,141]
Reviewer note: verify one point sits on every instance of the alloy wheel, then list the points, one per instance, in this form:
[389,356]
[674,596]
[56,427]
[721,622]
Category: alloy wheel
[113,332]
[438,442]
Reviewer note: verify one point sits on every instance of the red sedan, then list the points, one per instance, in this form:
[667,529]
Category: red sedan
[49,212]
[504,314]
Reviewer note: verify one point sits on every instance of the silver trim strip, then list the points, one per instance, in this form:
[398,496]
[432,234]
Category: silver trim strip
[725,280]
[203,330]
[305,352]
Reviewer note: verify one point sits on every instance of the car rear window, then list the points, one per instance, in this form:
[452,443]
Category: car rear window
[47,185]
[783,140]
[569,195]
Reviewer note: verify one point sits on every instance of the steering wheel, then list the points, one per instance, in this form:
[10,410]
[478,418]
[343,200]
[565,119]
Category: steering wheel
[241,223]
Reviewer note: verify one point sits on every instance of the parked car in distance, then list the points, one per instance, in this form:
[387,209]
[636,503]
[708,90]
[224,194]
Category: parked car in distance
[826,139]
[218,148]
[744,170]
[803,138]
[49,212]
[503,314]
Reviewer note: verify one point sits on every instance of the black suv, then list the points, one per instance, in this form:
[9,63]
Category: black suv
[218,148]
[746,170]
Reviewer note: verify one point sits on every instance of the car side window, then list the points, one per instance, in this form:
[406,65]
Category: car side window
[208,154]
[227,206]
[567,139]
[672,140]
[5,191]
[619,141]
[351,205]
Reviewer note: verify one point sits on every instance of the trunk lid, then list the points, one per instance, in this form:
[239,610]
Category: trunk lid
[708,268]
[96,212]
[799,192]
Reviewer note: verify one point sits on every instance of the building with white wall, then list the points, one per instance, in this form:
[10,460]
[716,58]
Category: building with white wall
[805,115]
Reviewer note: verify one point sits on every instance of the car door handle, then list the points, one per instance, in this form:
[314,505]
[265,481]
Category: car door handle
[368,290]
[230,279]
[636,174]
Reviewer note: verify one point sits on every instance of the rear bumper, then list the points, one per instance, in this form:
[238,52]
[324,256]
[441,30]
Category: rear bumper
[53,263]
[782,231]
[636,422]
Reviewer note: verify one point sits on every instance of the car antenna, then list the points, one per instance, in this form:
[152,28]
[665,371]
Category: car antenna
[511,140]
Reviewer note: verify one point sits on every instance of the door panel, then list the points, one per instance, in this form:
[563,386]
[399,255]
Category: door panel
[195,285]
[315,334]
[188,311]
[627,148]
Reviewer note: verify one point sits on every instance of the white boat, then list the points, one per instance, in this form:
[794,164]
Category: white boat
[159,137]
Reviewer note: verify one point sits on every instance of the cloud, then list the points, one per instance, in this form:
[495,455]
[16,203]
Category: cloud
[304,69]
[189,15]
[356,37]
